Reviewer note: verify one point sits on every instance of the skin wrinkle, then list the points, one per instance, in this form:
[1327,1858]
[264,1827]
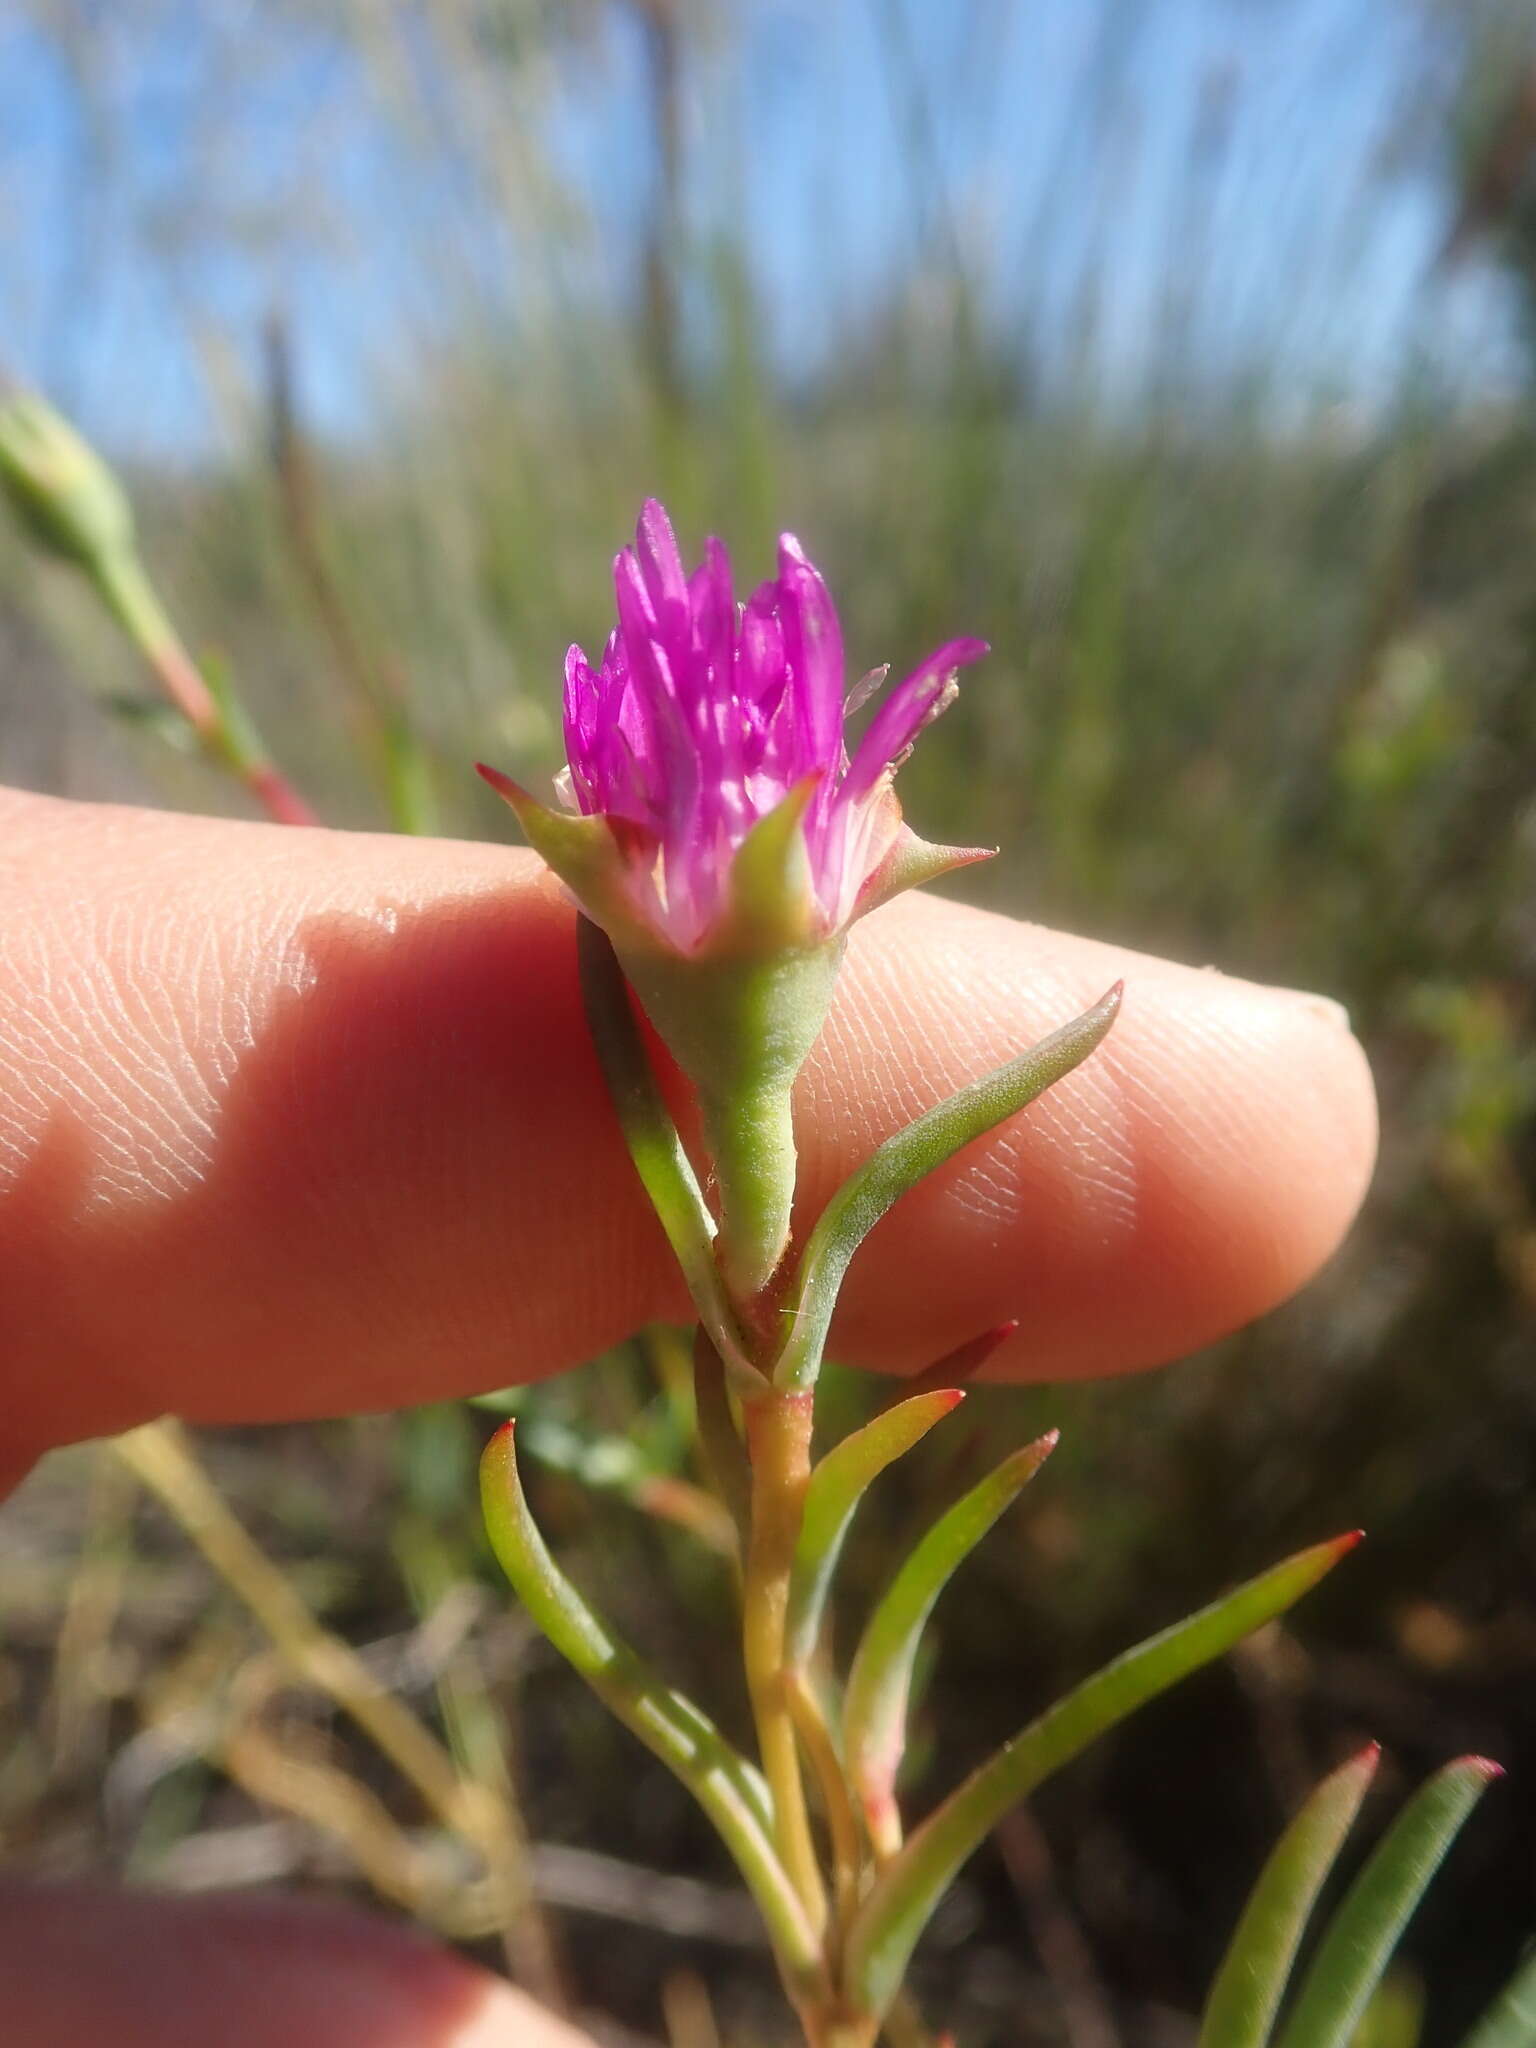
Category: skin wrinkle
[368,1160]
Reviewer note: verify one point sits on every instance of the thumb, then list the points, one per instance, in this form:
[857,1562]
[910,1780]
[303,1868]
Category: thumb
[83,1963]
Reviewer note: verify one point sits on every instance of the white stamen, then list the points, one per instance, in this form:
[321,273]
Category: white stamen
[864,689]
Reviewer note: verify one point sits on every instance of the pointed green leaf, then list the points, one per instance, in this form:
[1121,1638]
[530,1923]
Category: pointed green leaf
[669,1724]
[902,1161]
[1251,1982]
[905,1893]
[1364,1932]
[836,1487]
[654,1145]
[880,1681]
[1510,2022]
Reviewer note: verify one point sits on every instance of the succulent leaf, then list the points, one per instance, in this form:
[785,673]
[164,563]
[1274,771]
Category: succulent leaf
[903,1160]
[903,1896]
[668,1723]
[880,1681]
[837,1484]
[1251,1982]
[1364,1932]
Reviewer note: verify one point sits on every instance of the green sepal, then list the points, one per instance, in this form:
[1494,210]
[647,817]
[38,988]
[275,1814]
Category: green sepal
[1510,2022]
[909,862]
[880,1679]
[771,895]
[725,1785]
[1251,1982]
[902,1161]
[1365,1930]
[581,850]
[902,1899]
[837,1484]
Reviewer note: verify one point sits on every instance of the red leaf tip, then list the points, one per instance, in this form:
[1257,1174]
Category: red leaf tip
[503,785]
[1034,1454]
[1485,1767]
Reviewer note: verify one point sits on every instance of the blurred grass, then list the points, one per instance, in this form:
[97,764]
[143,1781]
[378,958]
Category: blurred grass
[1264,694]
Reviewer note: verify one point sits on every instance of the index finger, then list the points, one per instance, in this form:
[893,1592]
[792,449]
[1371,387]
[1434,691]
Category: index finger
[297,1123]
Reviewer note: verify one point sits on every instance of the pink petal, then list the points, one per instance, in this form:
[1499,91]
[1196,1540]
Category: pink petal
[910,706]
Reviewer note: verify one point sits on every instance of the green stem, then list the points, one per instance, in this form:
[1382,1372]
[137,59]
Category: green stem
[779,1443]
[750,1138]
[215,715]
[131,599]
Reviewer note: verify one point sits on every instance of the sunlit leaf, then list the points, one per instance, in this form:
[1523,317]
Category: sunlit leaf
[669,1724]
[1246,1995]
[880,1681]
[904,1895]
[1364,1931]
[903,1160]
[837,1485]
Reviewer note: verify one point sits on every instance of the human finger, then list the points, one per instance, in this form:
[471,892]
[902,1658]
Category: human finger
[298,1122]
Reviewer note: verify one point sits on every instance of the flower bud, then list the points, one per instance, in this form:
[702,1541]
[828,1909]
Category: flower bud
[61,490]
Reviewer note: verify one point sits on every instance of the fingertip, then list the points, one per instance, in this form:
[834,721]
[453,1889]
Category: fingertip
[1195,1171]
[1251,1116]
[248,1970]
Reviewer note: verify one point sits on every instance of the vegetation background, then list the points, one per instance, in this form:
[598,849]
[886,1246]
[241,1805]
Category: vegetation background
[1184,349]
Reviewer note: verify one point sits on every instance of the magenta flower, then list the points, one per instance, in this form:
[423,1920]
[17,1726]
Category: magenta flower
[710,726]
[722,833]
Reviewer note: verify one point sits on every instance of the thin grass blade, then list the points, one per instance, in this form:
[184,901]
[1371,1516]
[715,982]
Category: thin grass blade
[903,1160]
[1251,1982]
[904,1895]
[837,1485]
[1364,1932]
[880,1681]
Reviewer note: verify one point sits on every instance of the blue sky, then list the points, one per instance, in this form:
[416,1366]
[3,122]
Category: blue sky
[1145,190]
